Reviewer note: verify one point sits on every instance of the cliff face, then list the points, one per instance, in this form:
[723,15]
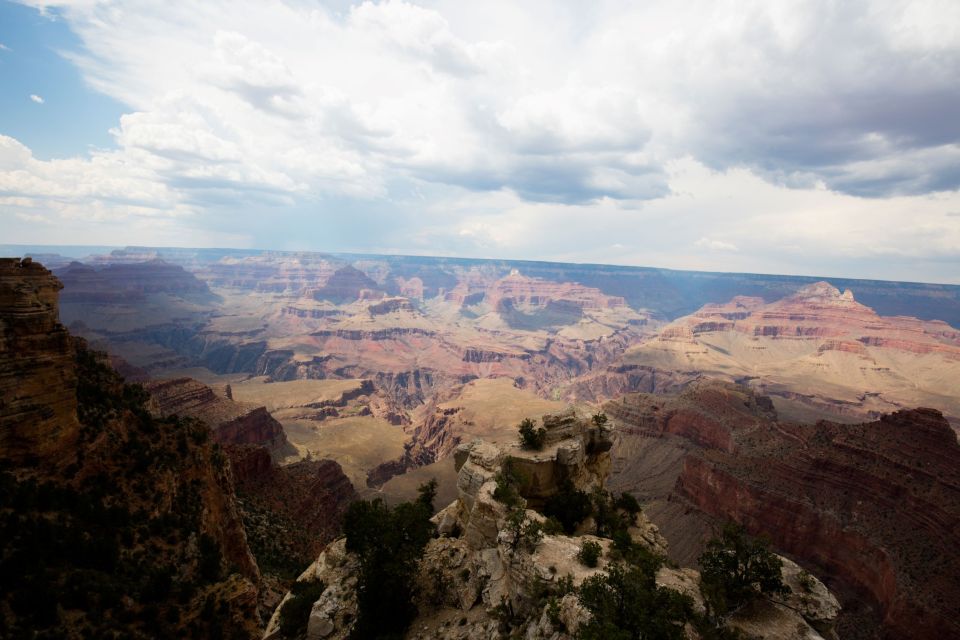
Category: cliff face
[231,422]
[117,521]
[311,496]
[38,384]
[269,272]
[822,311]
[875,506]
[520,292]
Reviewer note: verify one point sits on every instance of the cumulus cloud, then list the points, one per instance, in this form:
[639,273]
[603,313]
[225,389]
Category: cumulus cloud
[35,98]
[539,129]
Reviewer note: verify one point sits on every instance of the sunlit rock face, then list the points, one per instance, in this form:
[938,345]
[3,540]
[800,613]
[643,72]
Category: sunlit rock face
[480,561]
[817,353]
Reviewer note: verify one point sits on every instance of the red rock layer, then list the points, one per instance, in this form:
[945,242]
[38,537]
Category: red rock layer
[38,385]
[819,311]
[618,380]
[231,422]
[875,505]
[313,494]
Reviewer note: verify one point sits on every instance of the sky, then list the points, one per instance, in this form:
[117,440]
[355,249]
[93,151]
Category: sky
[817,138]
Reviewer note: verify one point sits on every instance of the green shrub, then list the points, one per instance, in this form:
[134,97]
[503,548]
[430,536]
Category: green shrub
[389,542]
[506,490]
[532,437]
[569,506]
[628,503]
[589,553]
[735,569]
[626,603]
[552,526]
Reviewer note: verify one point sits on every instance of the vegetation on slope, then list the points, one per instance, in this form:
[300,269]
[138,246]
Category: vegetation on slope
[118,546]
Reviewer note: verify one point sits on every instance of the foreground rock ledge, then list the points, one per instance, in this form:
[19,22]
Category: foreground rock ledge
[476,564]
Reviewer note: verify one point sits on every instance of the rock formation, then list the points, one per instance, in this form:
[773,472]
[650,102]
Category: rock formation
[125,283]
[231,422]
[348,284]
[38,385]
[817,352]
[523,293]
[269,272]
[875,507]
[116,522]
[485,560]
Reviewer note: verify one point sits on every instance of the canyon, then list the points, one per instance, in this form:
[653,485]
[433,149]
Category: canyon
[324,378]
[873,506]
[818,353]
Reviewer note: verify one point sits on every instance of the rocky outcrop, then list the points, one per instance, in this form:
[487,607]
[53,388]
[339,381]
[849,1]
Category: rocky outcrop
[486,566]
[38,385]
[231,422]
[484,562]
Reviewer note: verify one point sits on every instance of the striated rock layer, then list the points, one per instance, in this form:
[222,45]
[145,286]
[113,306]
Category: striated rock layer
[38,385]
[874,506]
[231,422]
[817,352]
[127,282]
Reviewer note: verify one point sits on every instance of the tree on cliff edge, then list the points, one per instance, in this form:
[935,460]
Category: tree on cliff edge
[389,542]
[736,569]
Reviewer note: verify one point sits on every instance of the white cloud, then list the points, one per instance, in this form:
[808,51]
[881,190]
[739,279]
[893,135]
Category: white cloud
[4,47]
[540,129]
[37,98]
[715,245]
